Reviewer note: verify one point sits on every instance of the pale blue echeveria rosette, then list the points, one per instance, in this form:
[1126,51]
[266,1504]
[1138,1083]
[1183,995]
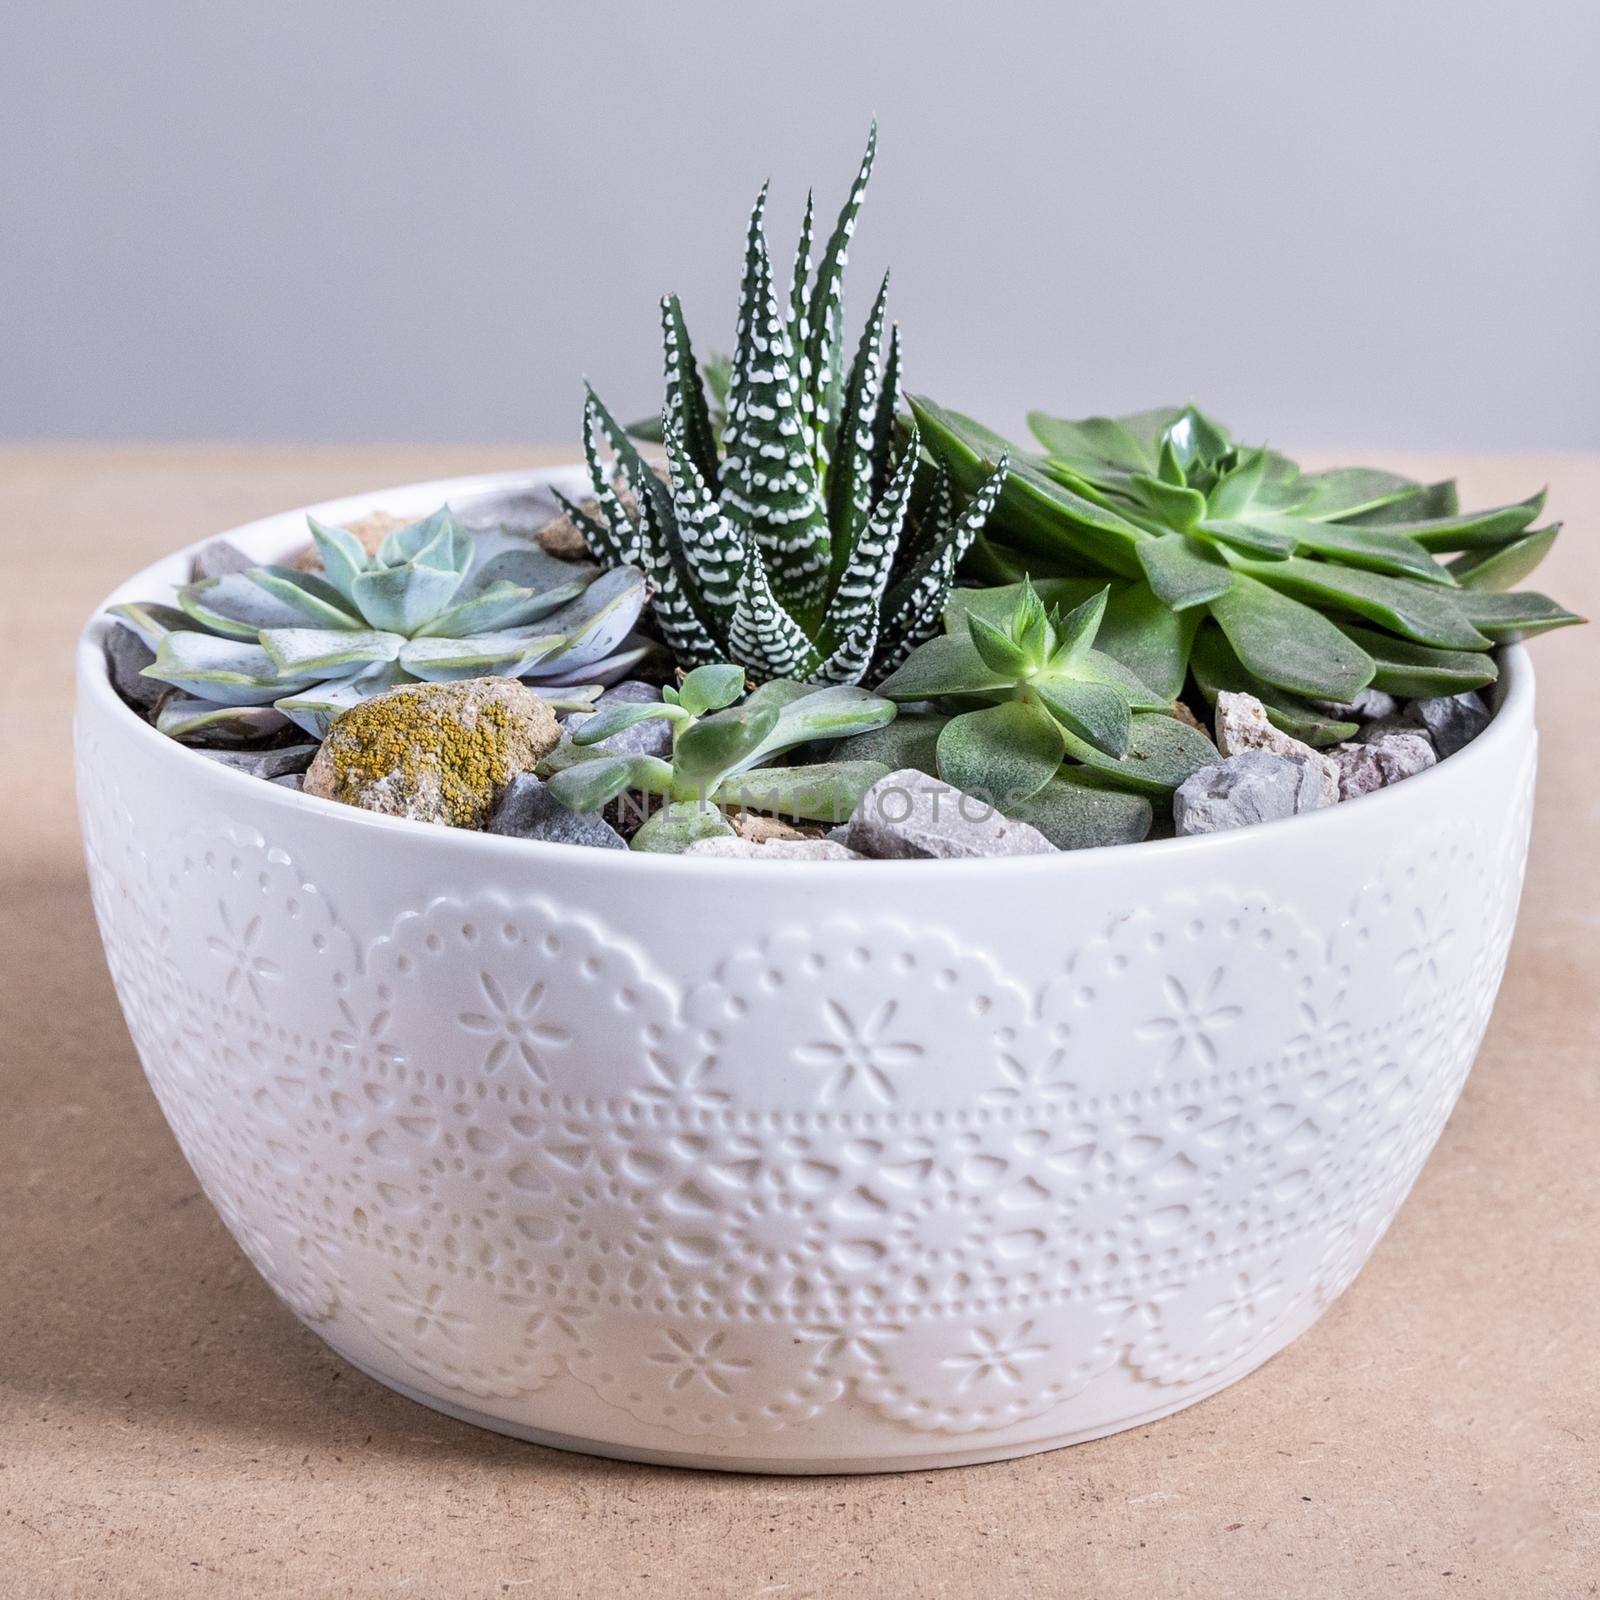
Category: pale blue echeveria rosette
[253,651]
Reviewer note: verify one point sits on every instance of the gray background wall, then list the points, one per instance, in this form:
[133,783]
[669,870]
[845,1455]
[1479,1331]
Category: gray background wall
[1346,224]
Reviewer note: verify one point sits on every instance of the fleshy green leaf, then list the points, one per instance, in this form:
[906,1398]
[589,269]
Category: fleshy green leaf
[1519,614]
[719,743]
[949,664]
[827,791]
[1349,491]
[1217,668]
[1377,549]
[1473,530]
[1100,447]
[1421,501]
[344,557]
[833,712]
[1040,516]
[1504,566]
[672,829]
[1074,812]
[1162,753]
[1184,571]
[609,720]
[710,688]
[1001,653]
[1179,509]
[588,785]
[1002,753]
[1416,611]
[1148,637]
[1289,645]
[908,741]
[1095,712]
[1417,671]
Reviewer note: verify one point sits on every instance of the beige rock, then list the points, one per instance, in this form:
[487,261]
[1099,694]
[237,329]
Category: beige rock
[563,538]
[370,530]
[1183,714]
[1242,725]
[764,830]
[435,752]
[776,850]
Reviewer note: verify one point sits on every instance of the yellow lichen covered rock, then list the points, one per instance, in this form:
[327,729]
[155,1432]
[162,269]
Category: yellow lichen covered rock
[435,752]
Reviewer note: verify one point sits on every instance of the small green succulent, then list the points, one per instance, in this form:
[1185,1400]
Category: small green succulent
[1231,562]
[251,651]
[801,537]
[1045,695]
[723,748]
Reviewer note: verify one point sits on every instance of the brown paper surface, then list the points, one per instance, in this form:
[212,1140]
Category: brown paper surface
[167,1428]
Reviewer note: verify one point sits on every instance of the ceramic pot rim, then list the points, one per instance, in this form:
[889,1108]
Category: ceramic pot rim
[266,538]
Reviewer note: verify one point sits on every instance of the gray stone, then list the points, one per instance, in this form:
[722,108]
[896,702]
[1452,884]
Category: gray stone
[1452,720]
[1386,727]
[1242,724]
[216,559]
[652,737]
[523,510]
[290,780]
[1376,763]
[774,850]
[283,761]
[908,814]
[1368,706]
[127,655]
[528,810]
[1253,786]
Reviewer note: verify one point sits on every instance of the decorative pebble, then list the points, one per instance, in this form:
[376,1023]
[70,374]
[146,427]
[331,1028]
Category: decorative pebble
[1253,786]
[1451,720]
[527,810]
[216,559]
[1242,725]
[127,655]
[435,752]
[759,829]
[1376,763]
[652,737]
[289,760]
[908,814]
[1369,706]
[774,850]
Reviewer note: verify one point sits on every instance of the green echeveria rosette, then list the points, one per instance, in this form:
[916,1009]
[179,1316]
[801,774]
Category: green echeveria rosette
[797,532]
[1232,564]
[252,651]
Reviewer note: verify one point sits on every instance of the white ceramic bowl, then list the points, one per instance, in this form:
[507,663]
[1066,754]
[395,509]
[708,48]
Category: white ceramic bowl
[803,1169]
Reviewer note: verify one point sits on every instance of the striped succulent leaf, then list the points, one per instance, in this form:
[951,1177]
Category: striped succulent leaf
[784,538]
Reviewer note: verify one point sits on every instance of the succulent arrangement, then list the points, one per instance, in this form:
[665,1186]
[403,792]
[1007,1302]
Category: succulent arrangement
[814,606]
[800,534]
[724,744]
[254,650]
[1231,563]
